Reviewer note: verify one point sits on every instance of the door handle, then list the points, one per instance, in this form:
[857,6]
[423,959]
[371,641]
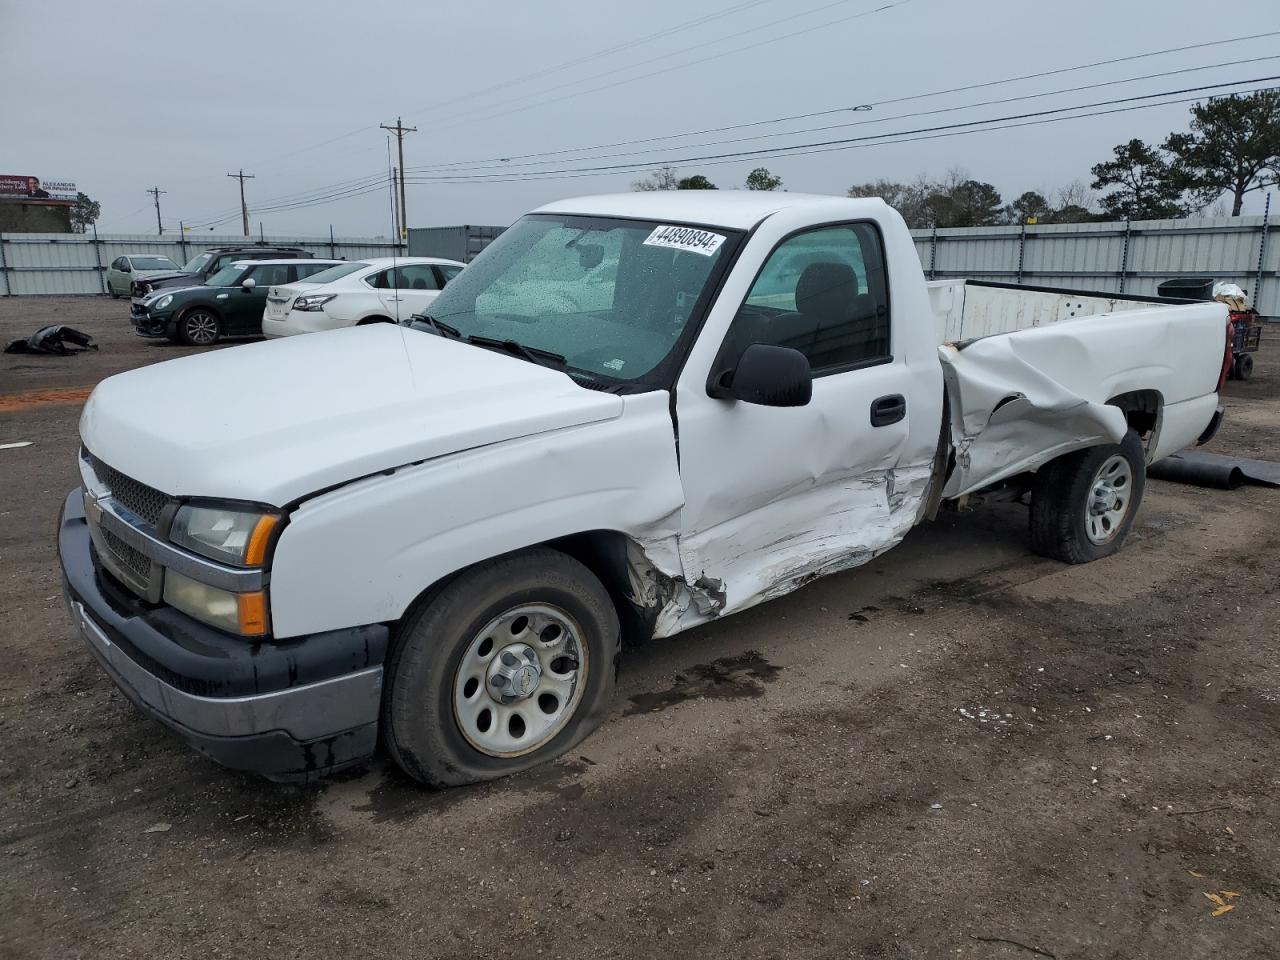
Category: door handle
[887,410]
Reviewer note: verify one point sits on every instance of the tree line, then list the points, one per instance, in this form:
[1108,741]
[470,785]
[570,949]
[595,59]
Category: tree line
[1230,149]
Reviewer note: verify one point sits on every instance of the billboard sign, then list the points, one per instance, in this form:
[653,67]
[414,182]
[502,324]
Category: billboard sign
[22,186]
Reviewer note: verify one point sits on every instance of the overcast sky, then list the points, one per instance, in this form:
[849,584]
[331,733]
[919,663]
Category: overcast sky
[123,96]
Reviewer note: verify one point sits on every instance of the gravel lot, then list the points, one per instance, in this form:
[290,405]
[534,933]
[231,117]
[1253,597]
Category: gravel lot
[960,750]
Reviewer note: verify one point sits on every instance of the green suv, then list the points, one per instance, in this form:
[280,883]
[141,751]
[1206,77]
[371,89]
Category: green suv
[228,304]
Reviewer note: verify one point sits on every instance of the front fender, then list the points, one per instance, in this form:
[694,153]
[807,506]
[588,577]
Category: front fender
[364,552]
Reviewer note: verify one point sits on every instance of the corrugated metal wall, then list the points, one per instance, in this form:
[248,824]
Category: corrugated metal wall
[1112,257]
[44,263]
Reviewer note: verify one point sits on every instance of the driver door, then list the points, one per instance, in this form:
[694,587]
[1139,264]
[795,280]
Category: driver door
[245,307]
[775,496]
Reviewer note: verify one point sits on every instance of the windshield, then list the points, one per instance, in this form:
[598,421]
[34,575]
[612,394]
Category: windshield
[613,297]
[196,263]
[152,263]
[228,276]
[333,273]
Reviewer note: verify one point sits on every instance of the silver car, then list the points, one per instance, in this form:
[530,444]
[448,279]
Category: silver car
[124,270]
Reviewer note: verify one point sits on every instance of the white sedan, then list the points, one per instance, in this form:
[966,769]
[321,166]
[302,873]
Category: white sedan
[378,290]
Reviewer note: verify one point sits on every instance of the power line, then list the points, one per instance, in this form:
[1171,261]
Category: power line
[796,149]
[900,116]
[875,103]
[679,66]
[801,149]
[230,213]
[523,78]
[600,54]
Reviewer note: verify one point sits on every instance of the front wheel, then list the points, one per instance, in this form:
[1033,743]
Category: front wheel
[199,327]
[509,665]
[1083,504]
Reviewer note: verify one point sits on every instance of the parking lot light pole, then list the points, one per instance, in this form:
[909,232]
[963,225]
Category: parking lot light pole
[244,210]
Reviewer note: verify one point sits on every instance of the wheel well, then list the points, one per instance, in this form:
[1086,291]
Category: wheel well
[604,553]
[1141,410]
[200,306]
[368,320]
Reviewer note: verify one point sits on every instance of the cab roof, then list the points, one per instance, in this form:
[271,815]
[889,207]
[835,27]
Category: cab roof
[733,209]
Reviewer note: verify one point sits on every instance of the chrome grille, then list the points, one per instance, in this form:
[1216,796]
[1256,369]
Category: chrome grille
[136,497]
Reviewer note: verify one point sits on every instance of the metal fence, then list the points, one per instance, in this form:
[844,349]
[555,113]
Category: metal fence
[1114,257]
[51,263]
[1121,257]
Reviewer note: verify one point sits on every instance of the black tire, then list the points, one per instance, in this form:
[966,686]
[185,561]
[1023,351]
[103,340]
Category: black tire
[367,321]
[111,290]
[1244,366]
[199,327]
[1062,496]
[419,724]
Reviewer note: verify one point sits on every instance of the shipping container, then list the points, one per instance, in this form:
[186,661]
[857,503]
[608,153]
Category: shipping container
[453,243]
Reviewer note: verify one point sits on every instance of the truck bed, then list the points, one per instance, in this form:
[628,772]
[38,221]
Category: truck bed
[1034,373]
[971,309]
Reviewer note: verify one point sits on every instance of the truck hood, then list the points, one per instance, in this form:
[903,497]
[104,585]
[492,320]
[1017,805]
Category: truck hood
[274,422]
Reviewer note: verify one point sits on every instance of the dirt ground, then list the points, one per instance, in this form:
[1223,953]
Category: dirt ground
[960,750]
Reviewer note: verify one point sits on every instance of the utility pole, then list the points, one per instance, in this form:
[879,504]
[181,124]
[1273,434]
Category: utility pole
[155,192]
[244,210]
[400,130]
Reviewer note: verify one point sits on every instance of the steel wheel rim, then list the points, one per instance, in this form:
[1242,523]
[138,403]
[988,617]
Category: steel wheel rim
[520,680]
[1110,496]
[202,328]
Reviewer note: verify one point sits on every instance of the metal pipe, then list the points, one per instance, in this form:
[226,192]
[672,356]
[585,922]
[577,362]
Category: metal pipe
[1262,251]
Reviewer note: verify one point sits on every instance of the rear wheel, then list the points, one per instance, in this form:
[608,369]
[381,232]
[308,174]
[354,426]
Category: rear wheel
[1244,366]
[509,665]
[199,327]
[1083,504]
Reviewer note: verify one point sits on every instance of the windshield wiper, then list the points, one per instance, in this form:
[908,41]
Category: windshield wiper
[545,358]
[442,328]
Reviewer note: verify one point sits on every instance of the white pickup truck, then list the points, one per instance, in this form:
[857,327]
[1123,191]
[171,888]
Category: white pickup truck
[631,415]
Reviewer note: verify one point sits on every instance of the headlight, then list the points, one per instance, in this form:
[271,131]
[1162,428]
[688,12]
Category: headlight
[313,302]
[241,537]
[242,613]
[162,302]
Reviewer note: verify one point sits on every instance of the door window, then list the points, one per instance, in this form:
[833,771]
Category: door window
[824,293]
[447,272]
[416,276]
[117,263]
[270,274]
[306,270]
[382,280]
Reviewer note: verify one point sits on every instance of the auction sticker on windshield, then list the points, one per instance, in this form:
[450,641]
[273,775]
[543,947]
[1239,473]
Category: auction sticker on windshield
[685,238]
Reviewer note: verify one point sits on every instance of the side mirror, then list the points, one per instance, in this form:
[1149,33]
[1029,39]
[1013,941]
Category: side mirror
[768,375]
[249,284]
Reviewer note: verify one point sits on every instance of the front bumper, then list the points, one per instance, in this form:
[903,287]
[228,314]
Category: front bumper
[147,324]
[294,709]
